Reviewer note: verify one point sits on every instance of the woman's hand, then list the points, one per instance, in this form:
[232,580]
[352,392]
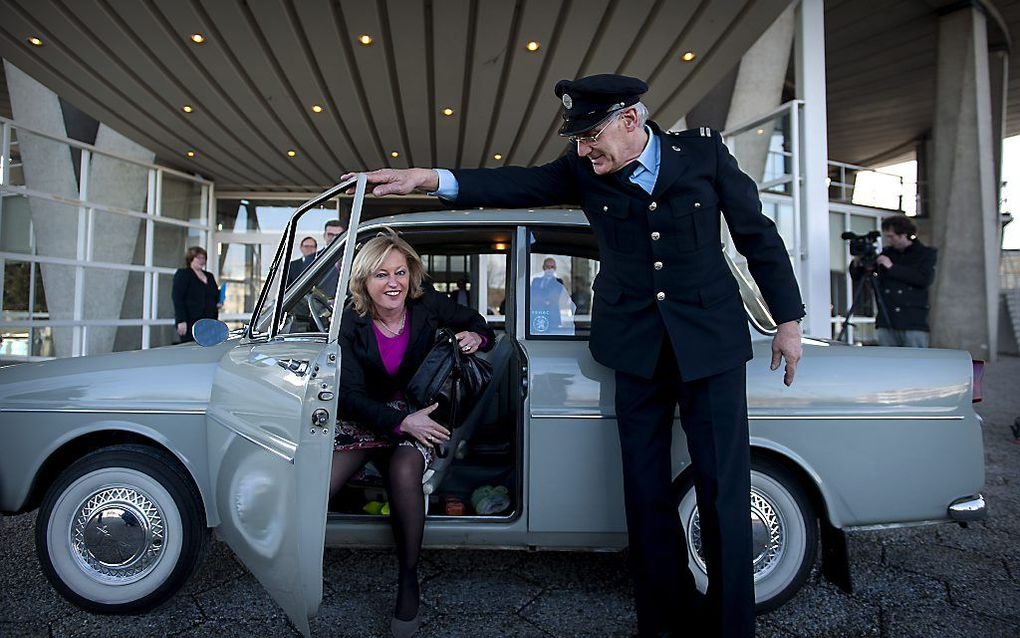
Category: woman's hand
[469,341]
[182,328]
[422,427]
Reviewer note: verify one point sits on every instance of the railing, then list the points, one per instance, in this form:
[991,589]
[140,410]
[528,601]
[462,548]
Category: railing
[769,148]
[37,329]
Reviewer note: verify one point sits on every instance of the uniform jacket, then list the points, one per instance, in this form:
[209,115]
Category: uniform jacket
[904,287]
[194,300]
[663,274]
[366,387]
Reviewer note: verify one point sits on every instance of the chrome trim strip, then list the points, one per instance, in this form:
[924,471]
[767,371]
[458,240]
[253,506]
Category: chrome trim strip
[775,417]
[251,439]
[104,411]
[883,526]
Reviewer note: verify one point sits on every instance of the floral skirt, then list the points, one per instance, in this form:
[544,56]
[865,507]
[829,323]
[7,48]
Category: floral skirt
[351,435]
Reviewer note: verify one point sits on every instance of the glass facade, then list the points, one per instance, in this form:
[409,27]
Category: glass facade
[89,243]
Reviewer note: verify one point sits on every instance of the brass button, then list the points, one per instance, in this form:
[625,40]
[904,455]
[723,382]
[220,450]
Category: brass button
[653,206]
[655,236]
[605,209]
[697,204]
[658,265]
[660,296]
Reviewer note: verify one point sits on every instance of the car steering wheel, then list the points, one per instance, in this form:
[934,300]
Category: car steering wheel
[321,308]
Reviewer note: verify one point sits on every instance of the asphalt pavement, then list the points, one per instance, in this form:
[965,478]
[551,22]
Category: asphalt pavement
[925,582]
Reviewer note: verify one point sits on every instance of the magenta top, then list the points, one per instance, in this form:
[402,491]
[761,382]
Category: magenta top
[392,349]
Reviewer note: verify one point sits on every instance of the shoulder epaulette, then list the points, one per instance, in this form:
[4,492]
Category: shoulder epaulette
[701,131]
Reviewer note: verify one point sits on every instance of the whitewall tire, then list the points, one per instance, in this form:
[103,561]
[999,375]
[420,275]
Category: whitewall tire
[784,531]
[120,530]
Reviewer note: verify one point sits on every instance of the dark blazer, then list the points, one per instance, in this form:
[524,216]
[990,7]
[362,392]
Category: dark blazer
[297,267]
[365,386]
[194,300]
[663,275]
[904,287]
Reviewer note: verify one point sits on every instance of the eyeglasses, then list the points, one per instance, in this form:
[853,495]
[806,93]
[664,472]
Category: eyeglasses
[591,140]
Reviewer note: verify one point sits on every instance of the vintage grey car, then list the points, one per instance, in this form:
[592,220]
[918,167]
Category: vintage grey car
[132,458]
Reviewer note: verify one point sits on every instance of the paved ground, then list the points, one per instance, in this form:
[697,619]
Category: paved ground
[928,582]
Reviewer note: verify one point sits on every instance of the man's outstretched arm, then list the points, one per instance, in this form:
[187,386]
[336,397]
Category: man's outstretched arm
[400,181]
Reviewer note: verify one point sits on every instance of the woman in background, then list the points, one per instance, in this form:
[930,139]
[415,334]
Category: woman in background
[195,293]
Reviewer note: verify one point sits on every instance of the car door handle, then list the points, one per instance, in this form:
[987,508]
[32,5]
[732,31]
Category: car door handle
[297,366]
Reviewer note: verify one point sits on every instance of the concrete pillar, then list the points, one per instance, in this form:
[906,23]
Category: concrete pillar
[965,211]
[117,183]
[812,265]
[759,89]
[47,167]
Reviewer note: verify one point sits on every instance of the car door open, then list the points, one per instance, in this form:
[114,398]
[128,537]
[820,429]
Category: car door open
[270,435]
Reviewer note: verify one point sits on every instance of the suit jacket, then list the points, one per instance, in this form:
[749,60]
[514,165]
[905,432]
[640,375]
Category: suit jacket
[365,386]
[297,267]
[663,275]
[194,300]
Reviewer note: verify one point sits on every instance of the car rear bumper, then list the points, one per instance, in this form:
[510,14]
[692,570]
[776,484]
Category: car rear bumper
[968,509]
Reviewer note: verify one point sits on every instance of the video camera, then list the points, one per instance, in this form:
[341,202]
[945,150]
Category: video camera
[863,246]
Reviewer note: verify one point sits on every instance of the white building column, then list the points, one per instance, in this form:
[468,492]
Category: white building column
[965,215]
[813,266]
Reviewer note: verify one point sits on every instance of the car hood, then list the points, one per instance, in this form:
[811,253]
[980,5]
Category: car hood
[172,378]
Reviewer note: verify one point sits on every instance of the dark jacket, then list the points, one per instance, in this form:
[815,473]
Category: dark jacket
[194,300]
[666,245]
[365,386]
[904,286]
[297,267]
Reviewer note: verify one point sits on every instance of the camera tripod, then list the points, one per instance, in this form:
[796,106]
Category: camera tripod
[868,282]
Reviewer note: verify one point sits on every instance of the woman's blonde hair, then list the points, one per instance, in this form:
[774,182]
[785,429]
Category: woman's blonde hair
[370,258]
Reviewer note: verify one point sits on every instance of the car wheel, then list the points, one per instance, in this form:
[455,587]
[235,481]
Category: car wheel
[120,530]
[784,530]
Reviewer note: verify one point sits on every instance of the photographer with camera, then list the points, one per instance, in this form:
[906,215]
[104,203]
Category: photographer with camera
[904,271]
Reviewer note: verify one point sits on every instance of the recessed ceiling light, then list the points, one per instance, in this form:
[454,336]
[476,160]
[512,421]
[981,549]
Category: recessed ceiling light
[190,153]
[34,41]
[197,38]
[760,131]
[533,46]
[447,111]
[394,154]
[187,108]
[687,57]
[499,246]
[316,108]
[292,153]
[365,39]
[497,156]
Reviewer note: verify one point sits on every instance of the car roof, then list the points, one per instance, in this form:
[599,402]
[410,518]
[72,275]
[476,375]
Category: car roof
[529,216]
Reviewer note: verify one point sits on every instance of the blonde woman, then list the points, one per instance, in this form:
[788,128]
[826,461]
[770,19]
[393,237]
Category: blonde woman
[387,330]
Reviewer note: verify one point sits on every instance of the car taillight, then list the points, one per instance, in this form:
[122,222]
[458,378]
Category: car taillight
[979,372]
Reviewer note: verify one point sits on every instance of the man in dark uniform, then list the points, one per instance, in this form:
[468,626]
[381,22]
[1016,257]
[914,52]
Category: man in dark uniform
[668,318]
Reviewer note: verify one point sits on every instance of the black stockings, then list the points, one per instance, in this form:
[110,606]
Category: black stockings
[402,467]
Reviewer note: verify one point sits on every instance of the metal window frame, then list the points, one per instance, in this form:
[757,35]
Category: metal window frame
[84,258]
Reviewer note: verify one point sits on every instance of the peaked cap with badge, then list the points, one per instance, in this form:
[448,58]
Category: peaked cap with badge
[589,101]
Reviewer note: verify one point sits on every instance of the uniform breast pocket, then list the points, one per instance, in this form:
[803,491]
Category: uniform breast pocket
[610,217]
[696,220]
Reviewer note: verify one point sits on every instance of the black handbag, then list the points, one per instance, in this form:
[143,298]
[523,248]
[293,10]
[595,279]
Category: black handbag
[450,378]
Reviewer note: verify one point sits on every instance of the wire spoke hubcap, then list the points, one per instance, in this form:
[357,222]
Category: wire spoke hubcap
[117,535]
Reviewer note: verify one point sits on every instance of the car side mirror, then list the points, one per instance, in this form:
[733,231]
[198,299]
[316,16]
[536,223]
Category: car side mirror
[210,332]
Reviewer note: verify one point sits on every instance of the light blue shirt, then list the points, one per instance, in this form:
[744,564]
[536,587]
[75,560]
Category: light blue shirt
[644,175]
